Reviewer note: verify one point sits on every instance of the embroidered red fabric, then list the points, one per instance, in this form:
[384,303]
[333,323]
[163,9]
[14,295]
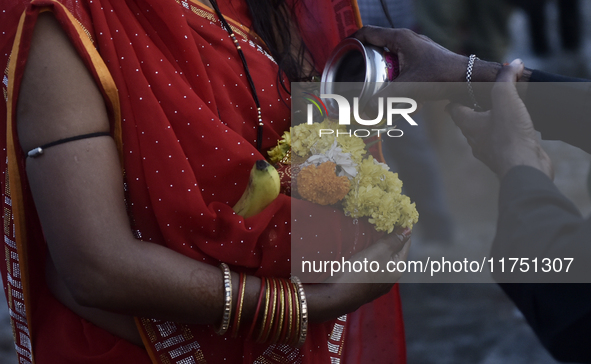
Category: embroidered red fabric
[188,127]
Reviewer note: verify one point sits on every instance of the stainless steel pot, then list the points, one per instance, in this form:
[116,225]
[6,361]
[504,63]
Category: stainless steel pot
[359,70]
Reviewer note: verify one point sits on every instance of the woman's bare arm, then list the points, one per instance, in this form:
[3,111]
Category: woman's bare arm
[78,192]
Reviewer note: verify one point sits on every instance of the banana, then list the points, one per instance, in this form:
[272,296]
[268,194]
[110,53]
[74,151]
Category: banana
[263,187]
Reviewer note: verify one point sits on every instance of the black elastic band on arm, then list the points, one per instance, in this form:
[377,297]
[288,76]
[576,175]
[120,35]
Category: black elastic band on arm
[39,150]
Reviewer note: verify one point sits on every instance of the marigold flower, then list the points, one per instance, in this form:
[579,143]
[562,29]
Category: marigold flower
[377,194]
[306,138]
[280,151]
[321,184]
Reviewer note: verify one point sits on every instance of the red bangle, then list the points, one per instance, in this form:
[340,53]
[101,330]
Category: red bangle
[269,312]
[274,311]
[279,313]
[257,310]
[288,313]
[238,312]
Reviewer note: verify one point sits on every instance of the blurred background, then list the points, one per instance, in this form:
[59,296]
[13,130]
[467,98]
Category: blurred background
[455,194]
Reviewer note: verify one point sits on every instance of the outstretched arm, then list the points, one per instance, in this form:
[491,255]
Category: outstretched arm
[558,105]
[535,219]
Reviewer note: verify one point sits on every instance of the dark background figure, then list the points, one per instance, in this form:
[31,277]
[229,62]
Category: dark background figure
[401,13]
[467,26]
[556,35]
[569,12]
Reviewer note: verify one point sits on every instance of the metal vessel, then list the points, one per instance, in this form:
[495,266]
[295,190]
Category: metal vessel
[359,70]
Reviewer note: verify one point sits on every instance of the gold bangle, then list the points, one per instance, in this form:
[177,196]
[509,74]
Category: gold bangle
[274,300]
[303,311]
[223,328]
[280,313]
[267,298]
[289,313]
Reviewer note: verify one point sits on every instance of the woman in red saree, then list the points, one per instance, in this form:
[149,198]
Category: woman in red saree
[164,78]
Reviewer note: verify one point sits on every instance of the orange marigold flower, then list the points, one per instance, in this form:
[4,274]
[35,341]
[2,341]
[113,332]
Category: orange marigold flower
[321,184]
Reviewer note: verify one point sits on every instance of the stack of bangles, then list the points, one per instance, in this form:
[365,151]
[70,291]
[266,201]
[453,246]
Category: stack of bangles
[282,304]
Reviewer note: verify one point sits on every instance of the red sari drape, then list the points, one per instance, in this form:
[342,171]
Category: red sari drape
[185,122]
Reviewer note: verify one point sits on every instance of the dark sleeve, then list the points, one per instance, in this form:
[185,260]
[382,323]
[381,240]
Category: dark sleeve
[536,220]
[560,108]
[559,315]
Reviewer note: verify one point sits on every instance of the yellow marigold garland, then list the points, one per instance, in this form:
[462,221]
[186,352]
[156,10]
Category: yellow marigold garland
[374,192]
[377,194]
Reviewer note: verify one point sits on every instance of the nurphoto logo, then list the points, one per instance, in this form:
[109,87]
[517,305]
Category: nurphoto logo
[402,106]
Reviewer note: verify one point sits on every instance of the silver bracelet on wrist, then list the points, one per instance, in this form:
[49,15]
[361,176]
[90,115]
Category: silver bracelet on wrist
[469,70]
[223,328]
[303,311]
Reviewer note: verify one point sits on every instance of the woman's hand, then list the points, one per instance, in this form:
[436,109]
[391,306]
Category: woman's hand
[348,291]
[505,136]
[390,249]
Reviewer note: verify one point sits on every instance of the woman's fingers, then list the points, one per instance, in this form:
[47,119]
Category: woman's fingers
[401,254]
[393,247]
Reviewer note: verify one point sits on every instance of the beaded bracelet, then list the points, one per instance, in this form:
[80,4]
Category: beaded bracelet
[223,328]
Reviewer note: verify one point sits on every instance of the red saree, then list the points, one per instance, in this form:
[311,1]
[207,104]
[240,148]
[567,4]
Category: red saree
[185,123]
